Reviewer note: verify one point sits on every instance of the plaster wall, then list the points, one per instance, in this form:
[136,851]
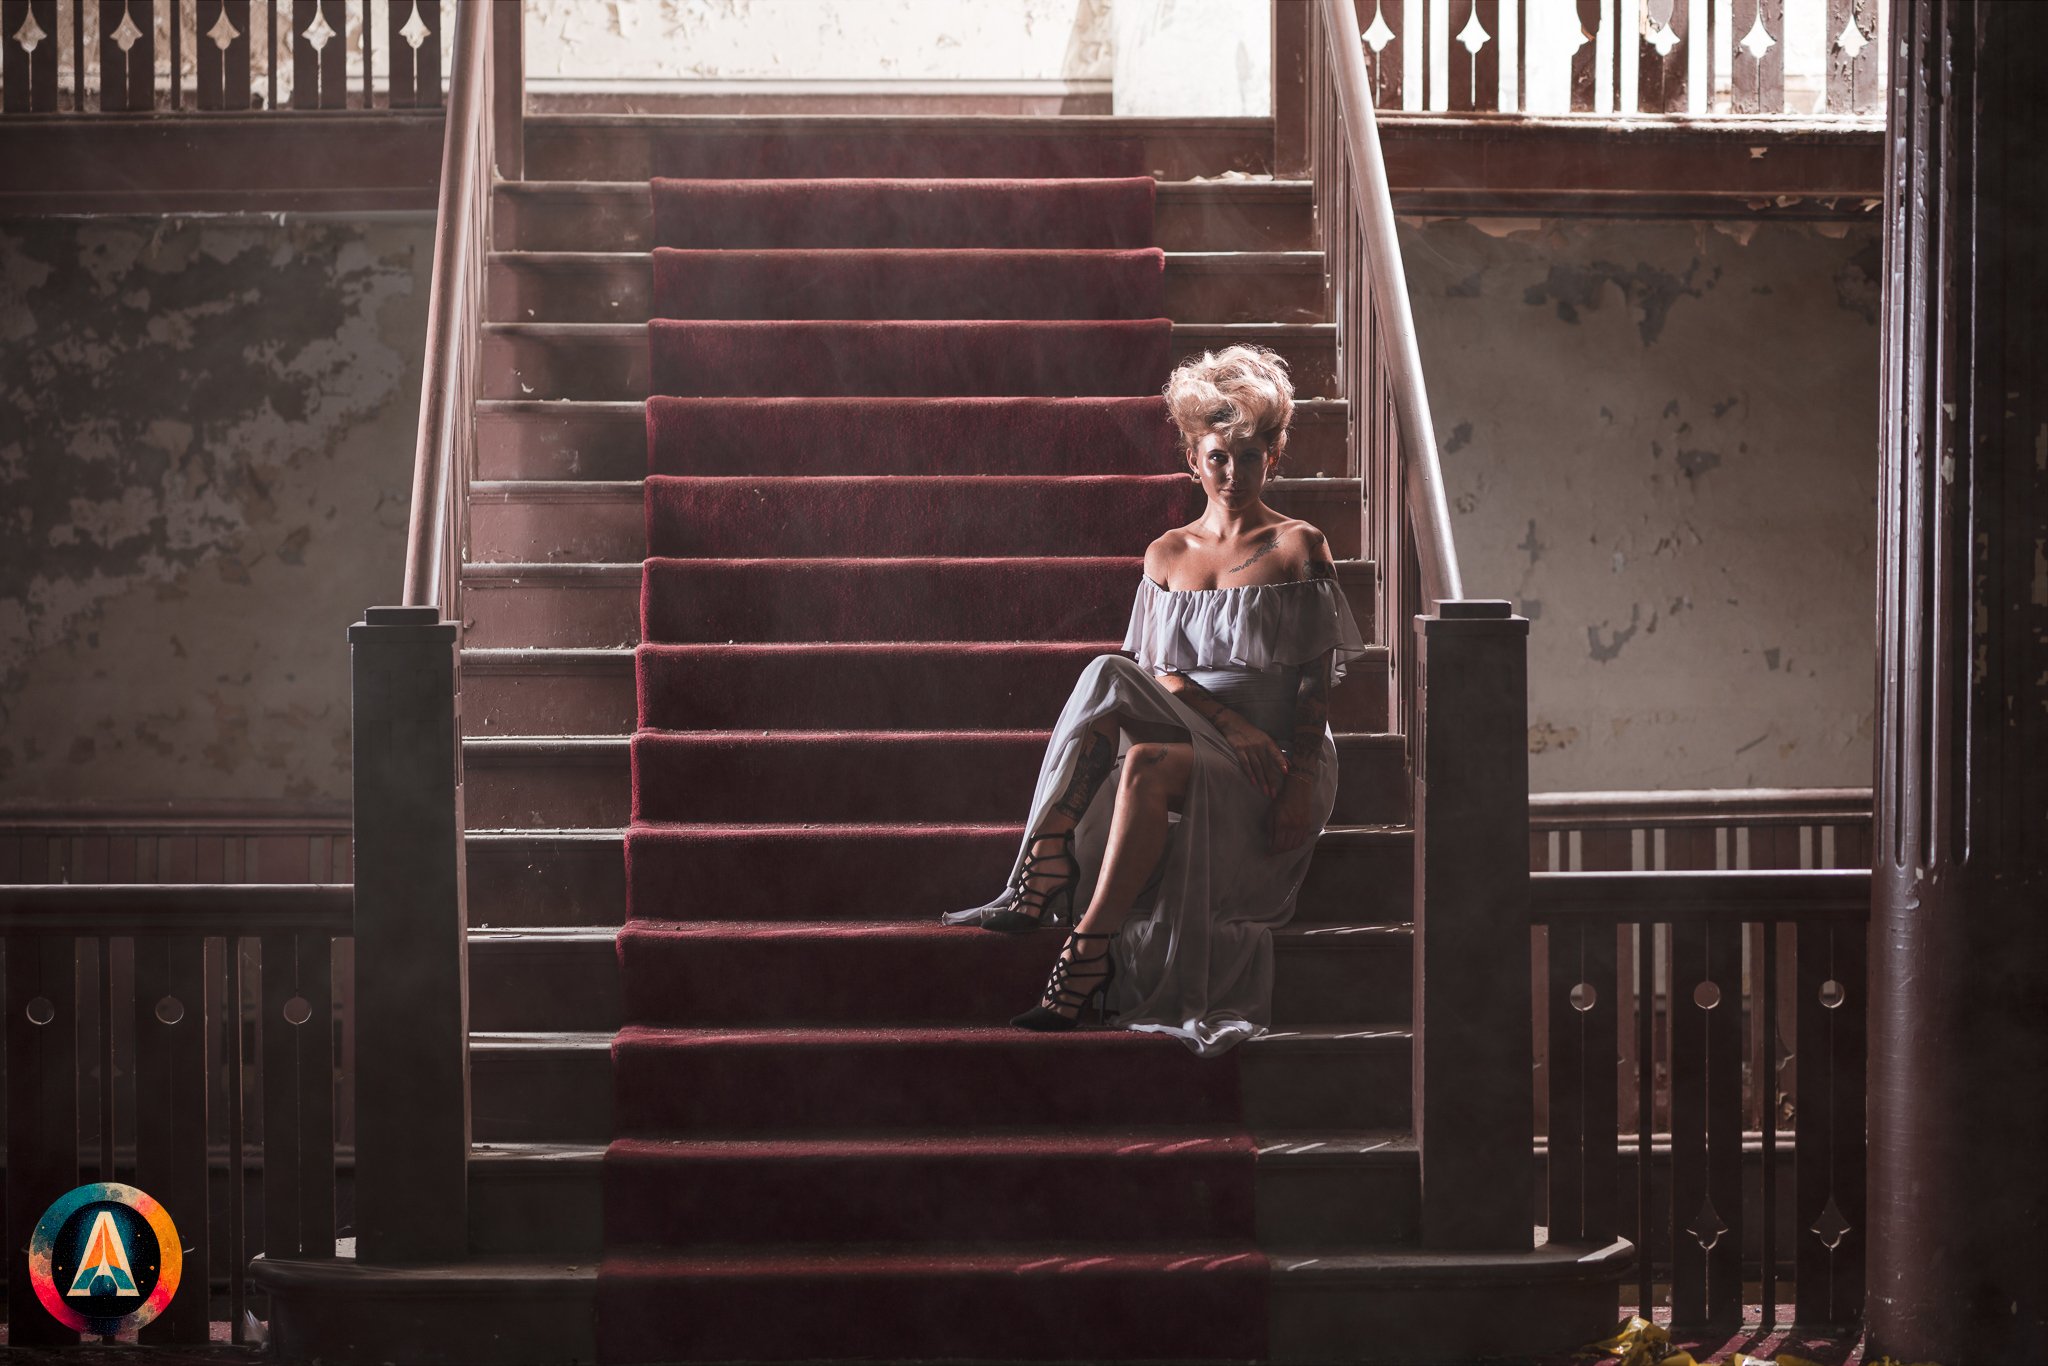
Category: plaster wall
[206,434]
[1660,441]
[595,42]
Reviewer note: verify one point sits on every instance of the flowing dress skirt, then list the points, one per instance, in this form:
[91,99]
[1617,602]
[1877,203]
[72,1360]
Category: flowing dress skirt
[1195,957]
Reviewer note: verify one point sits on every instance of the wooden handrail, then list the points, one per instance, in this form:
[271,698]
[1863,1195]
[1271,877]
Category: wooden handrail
[230,908]
[1705,806]
[447,434]
[1372,200]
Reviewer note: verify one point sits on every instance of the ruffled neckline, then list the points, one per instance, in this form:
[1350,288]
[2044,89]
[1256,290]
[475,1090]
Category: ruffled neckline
[1146,579]
[1253,625]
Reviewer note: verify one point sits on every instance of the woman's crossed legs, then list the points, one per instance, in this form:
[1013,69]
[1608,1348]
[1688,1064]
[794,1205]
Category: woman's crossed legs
[1156,771]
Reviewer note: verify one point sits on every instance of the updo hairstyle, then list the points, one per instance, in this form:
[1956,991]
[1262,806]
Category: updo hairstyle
[1236,392]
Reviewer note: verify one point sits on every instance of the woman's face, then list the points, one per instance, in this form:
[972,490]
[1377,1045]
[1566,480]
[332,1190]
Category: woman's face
[1233,473]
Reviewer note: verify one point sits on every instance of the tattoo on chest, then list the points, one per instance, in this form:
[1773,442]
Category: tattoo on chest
[1266,545]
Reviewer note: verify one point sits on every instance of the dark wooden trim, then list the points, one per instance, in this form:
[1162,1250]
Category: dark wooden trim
[1501,162]
[199,908]
[1728,806]
[1745,895]
[219,162]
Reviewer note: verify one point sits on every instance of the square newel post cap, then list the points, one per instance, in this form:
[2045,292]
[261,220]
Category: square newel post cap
[402,624]
[1472,614]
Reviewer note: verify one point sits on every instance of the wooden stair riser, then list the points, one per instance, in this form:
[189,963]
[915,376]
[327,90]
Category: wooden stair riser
[540,692]
[557,1093]
[611,363]
[610,216]
[538,879]
[548,983]
[577,441]
[597,148]
[600,287]
[598,606]
[555,784]
[578,523]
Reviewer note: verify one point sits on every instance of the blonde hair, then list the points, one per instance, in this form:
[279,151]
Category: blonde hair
[1236,392]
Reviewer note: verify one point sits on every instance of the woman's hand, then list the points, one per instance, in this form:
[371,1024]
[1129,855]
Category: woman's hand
[1291,821]
[1263,762]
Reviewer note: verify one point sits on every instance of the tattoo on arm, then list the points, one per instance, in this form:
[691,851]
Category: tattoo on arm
[1199,699]
[1266,544]
[1311,716]
[1098,754]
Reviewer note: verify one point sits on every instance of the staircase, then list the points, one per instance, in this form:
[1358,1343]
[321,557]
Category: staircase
[731,1084]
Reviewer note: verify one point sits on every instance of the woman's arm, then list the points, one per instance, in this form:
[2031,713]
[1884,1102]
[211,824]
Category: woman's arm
[1255,749]
[1311,717]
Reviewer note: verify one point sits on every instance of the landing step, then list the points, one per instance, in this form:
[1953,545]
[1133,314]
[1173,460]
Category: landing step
[1343,1190]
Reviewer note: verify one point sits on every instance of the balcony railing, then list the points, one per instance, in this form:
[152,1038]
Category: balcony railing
[143,56]
[1699,57]
[1699,966]
[197,1031]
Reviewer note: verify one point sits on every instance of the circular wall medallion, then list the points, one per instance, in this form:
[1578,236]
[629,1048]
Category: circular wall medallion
[105,1258]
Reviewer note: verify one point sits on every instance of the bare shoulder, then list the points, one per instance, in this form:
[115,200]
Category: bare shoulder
[1306,550]
[1164,554]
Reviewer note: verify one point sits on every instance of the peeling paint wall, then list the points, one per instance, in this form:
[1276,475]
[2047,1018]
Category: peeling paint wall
[1660,441]
[204,468]
[808,40]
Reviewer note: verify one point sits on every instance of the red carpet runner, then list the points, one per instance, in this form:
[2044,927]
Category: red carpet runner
[904,450]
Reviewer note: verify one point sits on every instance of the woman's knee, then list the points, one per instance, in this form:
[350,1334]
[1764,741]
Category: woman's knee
[1155,768]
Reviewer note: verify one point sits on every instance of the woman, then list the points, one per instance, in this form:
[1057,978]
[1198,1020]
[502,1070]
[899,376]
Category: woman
[1181,794]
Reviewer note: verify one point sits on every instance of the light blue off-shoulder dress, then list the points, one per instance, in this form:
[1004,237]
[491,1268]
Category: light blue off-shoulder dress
[1195,958]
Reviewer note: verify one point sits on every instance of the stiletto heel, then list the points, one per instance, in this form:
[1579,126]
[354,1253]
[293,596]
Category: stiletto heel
[1046,1016]
[1038,900]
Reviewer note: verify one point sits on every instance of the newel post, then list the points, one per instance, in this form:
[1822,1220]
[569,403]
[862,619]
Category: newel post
[412,982]
[1473,1092]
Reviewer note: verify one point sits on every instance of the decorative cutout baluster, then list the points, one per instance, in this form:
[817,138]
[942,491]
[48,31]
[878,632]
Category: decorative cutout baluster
[415,28]
[1661,62]
[1756,64]
[28,56]
[127,56]
[172,1005]
[222,49]
[1475,55]
[1384,53]
[1724,1120]
[298,1096]
[1854,58]
[1828,1164]
[41,1008]
[319,54]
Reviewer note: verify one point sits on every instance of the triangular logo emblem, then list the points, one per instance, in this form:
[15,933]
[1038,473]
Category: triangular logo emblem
[105,1255]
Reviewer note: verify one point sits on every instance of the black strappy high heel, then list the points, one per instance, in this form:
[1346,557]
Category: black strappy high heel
[1046,1016]
[1022,893]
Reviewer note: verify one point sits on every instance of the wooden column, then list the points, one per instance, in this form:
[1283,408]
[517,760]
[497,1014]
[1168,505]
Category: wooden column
[1958,1187]
[412,983]
[1473,1092]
